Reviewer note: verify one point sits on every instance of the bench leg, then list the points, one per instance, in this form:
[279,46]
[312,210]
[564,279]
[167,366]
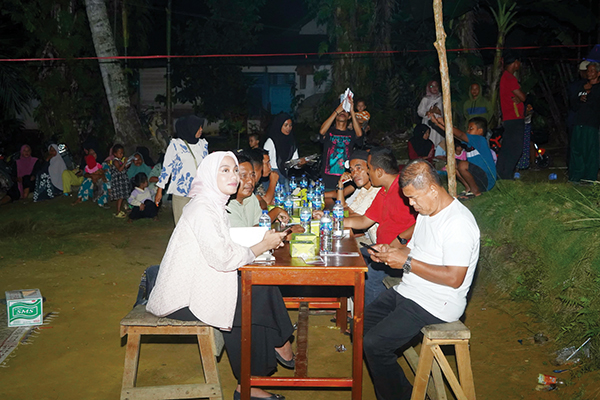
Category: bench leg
[465,374]
[209,361]
[438,383]
[132,356]
[447,370]
[422,374]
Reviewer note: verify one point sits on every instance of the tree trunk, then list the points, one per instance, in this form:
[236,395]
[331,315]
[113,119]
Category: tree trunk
[440,45]
[128,129]
[496,74]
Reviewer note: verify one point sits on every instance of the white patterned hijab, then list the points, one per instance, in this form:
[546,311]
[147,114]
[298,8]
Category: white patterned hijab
[56,168]
[205,182]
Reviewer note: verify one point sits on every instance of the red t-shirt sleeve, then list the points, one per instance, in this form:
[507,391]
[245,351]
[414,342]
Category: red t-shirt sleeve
[374,211]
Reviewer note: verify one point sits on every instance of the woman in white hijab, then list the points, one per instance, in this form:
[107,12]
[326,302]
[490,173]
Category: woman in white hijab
[49,183]
[198,278]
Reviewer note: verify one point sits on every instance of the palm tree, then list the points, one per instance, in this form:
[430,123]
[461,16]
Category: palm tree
[15,92]
[126,122]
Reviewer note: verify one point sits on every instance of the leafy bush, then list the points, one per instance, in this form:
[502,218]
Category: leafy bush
[539,244]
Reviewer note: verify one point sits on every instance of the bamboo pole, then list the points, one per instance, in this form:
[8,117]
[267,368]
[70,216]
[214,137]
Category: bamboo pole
[440,45]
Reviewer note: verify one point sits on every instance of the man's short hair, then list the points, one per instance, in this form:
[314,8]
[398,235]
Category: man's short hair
[382,157]
[509,58]
[359,155]
[254,135]
[595,65]
[256,156]
[480,123]
[242,157]
[420,174]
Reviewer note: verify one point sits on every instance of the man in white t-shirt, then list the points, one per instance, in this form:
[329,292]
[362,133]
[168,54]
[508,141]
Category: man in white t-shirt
[438,263]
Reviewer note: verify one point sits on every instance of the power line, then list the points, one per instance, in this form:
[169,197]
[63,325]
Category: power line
[300,54]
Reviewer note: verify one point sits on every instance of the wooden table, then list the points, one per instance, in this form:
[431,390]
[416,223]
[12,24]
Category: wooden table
[339,271]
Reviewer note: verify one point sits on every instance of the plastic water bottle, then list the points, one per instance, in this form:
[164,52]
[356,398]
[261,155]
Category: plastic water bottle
[325,228]
[317,203]
[303,182]
[279,198]
[305,217]
[264,220]
[338,220]
[293,183]
[310,194]
[288,205]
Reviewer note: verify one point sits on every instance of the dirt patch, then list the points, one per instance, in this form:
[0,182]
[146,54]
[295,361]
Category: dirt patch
[79,356]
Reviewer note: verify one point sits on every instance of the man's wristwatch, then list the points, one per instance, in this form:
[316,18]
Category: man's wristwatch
[402,240]
[406,267]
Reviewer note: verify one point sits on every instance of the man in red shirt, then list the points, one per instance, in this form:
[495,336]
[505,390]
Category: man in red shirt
[511,103]
[390,209]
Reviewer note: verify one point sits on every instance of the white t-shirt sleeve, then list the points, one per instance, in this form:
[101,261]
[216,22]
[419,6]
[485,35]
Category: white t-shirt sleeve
[270,147]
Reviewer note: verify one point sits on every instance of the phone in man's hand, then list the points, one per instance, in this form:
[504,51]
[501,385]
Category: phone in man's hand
[368,246]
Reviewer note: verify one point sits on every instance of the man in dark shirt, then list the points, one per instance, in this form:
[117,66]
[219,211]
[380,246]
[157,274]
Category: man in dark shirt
[572,91]
[585,160]
[338,142]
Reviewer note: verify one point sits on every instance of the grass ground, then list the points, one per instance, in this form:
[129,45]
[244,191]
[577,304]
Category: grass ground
[88,264]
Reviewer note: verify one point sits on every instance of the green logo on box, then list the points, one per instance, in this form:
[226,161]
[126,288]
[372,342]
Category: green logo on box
[25,310]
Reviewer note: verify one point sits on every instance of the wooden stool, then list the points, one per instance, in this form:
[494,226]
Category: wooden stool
[139,322]
[453,333]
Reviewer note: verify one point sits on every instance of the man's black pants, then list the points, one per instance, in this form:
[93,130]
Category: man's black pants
[512,148]
[391,321]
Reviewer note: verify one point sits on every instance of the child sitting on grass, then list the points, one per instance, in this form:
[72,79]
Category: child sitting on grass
[142,199]
[94,177]
[120,187]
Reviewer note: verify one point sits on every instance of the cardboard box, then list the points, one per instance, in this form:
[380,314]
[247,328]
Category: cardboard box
[303,249]
[304,237]
[24,307]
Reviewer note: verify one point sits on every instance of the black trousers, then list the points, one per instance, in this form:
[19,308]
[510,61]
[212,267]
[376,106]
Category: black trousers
[150,211]
[271,328]
[391,321]
[512,148]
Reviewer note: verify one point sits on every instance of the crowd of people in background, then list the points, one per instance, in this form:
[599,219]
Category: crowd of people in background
[122,178]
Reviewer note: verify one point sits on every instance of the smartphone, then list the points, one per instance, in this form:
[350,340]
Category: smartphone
[287,231]
[368,246]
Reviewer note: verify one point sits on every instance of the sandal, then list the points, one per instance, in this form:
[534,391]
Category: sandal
[121,214]
[274,396]
[468,196]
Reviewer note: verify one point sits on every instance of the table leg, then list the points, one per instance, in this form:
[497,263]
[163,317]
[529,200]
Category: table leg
[246,368]
[301,370]
[357,336]
[342,315]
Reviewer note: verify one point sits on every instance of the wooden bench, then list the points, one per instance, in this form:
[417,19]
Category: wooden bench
[210,340]
[434,336]
[428,374]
